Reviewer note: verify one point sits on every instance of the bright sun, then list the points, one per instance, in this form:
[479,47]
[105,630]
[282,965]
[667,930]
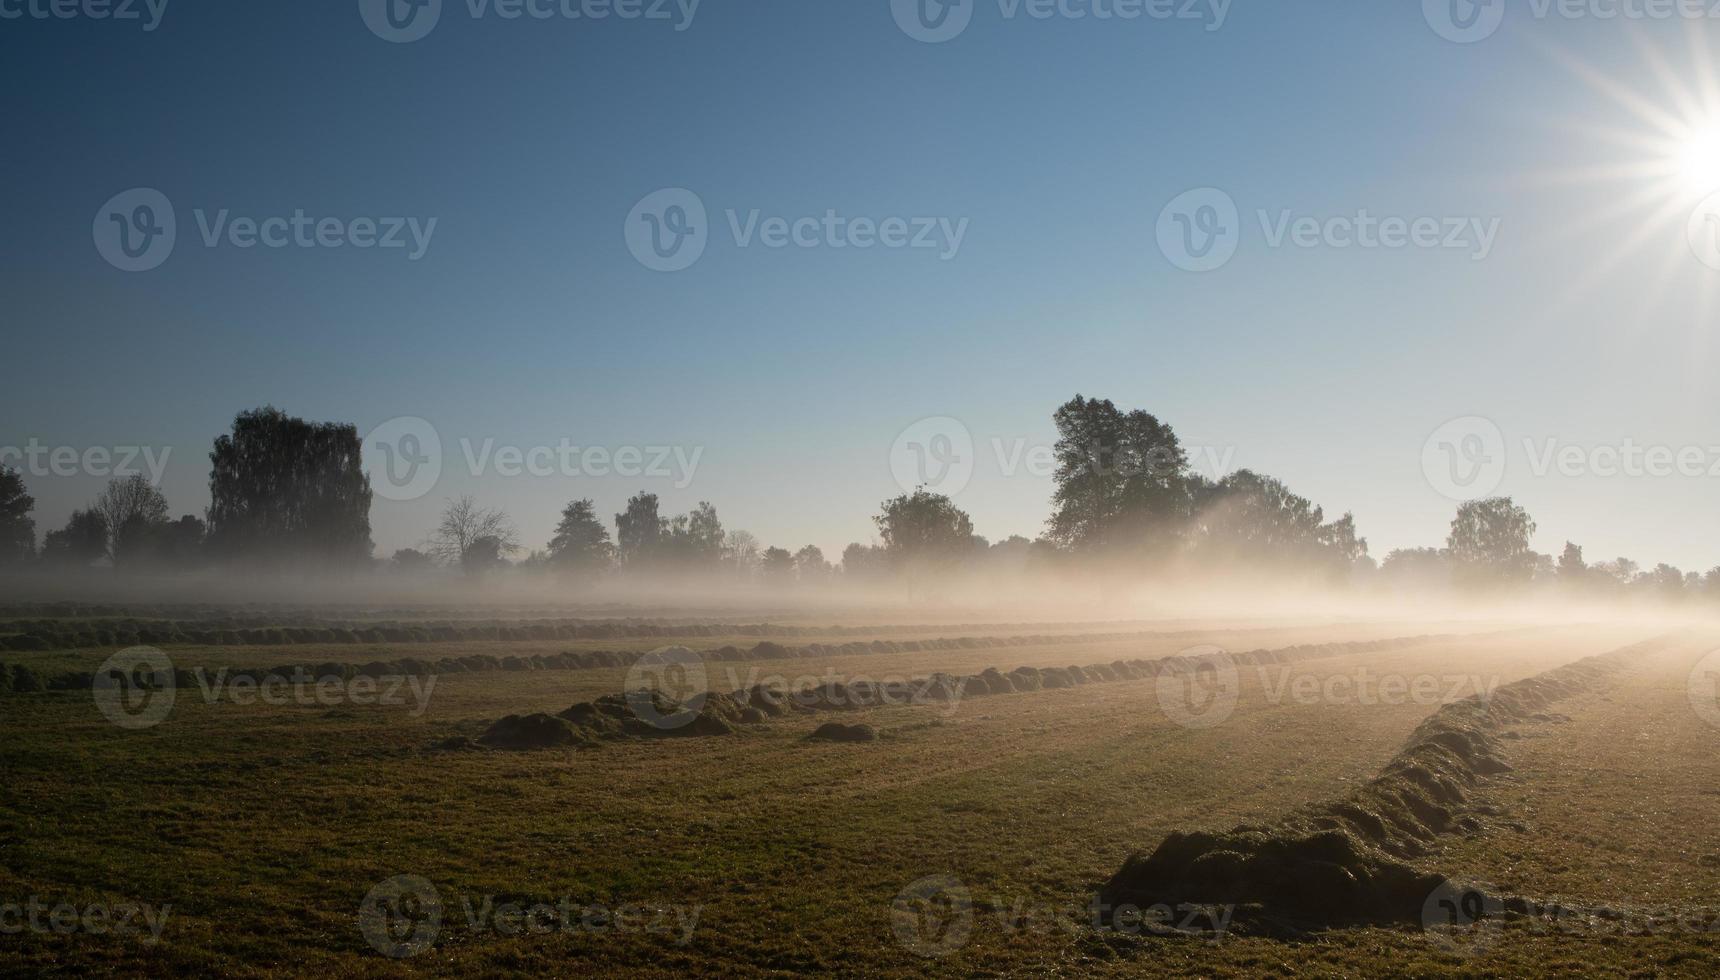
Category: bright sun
[1699,159]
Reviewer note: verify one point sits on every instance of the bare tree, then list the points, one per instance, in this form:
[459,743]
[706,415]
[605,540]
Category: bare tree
[464,525]
[129,506]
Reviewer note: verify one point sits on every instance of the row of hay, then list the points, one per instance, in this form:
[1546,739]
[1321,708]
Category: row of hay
[1345,862]
[624,716]
[566,660]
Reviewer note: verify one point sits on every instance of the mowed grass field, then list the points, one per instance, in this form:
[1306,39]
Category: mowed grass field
[262,828]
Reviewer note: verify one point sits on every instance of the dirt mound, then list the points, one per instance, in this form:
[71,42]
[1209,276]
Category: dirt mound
[1344,862]
[535,731]
[832,731]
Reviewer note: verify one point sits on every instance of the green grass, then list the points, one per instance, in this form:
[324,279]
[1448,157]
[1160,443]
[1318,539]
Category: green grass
[264,827]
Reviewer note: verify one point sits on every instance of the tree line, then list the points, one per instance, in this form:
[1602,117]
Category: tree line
[287,492]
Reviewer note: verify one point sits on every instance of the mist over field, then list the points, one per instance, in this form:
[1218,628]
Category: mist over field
[890,488]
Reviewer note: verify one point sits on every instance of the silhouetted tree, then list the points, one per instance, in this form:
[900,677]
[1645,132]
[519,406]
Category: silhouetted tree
[1121,485]
[740,553]
[639,531]
[810,567]
[777,567]
[1255,521]
[80,544]
[581,544]
[471,537]
[133,508]
[923,528]
[413,560]
[1489,542]
[17,528]
[282,488]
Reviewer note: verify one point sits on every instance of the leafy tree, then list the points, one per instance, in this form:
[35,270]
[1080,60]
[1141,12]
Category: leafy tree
[923,528]
[486,554]
[1417,568]
[80,544]
[283,488]
[472,537]
[413,560]
[810,567]
[639,531]
[863,562]
[581,543]
[17,529]
[694,541]
[1571,570]
[133,508]
[777,566]
[1121,481]
[1489,542]
[1254,520]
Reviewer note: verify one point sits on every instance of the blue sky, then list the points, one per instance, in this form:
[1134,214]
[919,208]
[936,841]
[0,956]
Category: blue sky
[1058,142]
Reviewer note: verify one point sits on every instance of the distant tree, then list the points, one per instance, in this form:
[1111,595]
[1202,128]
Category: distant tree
[777,567]
[80,544]
[133,508]
[1251,520]
[639,531]
[281,488]
[741,554]
[581,543]
[413,560]
[1571,569]
[1121,486]
[863,562]
[486,554]
[693,542]
[1619,571]
[1667,582]
[1416,568]
[183,541]
[471,537]
[1489,542]
[17,528]
[810,567]
[923,528]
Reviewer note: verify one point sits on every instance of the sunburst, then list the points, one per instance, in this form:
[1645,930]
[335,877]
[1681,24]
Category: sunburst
[1659,163]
